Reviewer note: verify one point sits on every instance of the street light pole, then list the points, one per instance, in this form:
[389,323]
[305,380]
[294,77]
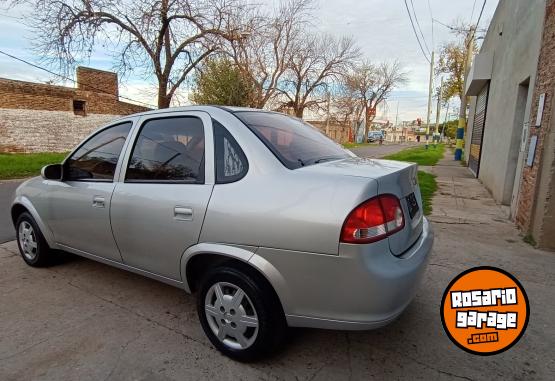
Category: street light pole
[429,99]
[438,111]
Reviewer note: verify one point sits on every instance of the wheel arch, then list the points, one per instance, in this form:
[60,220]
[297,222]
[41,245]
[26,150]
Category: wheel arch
[208,254]
[22,204]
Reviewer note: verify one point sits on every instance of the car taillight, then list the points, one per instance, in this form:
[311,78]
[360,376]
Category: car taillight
[373,220]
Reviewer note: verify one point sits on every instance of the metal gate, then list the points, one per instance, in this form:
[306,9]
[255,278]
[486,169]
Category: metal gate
[478,130]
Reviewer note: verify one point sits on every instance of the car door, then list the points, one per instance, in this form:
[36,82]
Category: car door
[79,205]
[159,204]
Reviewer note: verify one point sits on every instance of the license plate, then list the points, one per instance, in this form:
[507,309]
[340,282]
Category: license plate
[412,205]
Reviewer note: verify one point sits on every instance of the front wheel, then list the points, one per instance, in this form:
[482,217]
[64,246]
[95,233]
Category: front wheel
[31,243]
[239,314]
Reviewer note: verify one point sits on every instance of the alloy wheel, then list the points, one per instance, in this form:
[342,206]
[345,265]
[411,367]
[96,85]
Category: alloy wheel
[28,240]
[231,315]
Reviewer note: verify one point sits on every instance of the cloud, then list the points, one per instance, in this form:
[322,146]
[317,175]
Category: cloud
[381,27]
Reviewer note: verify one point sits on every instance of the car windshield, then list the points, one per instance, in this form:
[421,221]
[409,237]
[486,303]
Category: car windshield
[294,142]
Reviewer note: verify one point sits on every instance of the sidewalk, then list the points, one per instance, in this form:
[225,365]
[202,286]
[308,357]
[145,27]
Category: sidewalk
[472,230]
[461,198]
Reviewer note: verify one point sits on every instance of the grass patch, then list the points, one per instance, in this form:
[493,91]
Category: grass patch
[19,165]
[428,186]
[358,145]
[529,239]
[419,155]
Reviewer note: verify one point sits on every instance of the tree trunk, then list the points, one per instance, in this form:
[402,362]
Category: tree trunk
[367,124]
[299,111]
[163,98]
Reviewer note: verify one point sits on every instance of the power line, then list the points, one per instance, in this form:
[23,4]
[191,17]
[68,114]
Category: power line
[432,18]
[419,28]
[473,9]
[477,24]
[445,25]
[69,79]
[415,33]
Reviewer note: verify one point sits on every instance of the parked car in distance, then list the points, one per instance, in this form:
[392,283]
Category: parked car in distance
[267,220]
[374,136]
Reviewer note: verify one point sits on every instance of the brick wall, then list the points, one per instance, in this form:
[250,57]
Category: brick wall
[37,96]
[95,80]
[45,131]
[38,117]
[337,132]
[545,83]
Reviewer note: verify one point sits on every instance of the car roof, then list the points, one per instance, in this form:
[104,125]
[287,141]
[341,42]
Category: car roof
[206,108]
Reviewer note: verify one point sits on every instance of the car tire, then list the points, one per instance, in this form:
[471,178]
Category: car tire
[249,324]
[32,246]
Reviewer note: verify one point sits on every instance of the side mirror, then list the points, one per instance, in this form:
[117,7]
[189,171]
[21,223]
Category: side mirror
[52,172]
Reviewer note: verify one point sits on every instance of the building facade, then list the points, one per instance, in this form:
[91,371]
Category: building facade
[38,117]
[508,144]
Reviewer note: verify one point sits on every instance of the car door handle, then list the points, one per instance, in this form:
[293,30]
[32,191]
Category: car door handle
[98,202]
[183,213]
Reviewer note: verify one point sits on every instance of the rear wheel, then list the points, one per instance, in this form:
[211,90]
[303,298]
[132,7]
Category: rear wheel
[32,245]
[239,314]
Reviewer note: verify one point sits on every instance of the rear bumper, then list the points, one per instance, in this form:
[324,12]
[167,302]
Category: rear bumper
[364,287]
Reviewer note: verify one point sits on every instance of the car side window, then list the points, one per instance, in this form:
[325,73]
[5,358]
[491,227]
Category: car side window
[97,158]
[231,162]
[168,150]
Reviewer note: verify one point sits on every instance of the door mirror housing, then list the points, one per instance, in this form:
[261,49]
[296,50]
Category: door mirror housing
[52,172]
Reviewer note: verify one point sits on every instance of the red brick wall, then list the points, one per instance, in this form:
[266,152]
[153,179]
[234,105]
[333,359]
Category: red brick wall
[98,88]
[545,83]
[98,81]
[37,117]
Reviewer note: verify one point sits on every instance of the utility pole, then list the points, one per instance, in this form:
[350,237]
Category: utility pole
[429,99]
[469,43]
[397,115]
[445,120]
[328,96]
[438,111]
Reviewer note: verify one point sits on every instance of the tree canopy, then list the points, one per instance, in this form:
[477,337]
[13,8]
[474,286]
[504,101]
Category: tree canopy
[220,82]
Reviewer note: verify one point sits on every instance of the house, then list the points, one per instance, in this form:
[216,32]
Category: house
[510,139]
[38,117]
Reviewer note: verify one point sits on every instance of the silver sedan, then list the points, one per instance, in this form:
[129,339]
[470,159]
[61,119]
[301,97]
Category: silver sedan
[269,222]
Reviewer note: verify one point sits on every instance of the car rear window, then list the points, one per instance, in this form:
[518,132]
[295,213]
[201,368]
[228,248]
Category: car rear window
[294,142]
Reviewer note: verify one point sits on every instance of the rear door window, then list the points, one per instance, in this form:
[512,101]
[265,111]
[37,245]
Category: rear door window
[168,150]
[294,142]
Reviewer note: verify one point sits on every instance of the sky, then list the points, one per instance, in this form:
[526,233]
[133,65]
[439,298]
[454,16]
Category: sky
[381,28]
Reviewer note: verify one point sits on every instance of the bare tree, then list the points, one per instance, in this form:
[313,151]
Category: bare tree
[346,106]
[315,61]
[371,84]
[264,51]
[166,37]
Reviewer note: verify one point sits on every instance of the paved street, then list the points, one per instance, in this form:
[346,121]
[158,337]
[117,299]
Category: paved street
[7,188]
[87,321]
[376,150]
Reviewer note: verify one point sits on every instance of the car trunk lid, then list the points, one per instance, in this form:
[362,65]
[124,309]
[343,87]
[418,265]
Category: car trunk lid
[393,177]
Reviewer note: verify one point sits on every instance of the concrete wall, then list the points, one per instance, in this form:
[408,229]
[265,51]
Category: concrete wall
[513,39]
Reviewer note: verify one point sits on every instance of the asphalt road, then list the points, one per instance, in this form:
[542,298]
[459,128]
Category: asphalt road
[82,320]
[7,188]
